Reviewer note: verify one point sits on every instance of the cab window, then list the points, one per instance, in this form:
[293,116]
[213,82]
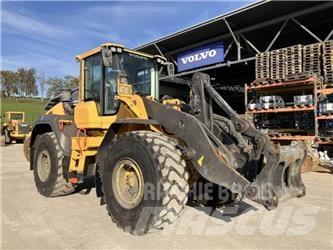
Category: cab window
[92,78]
[111,80]
[16,116]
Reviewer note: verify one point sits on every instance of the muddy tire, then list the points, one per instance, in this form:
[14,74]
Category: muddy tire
[164,182]
[26,148]
[8,139]
[48,168]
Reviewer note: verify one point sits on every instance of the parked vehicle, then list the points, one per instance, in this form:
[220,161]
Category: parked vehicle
[145,152]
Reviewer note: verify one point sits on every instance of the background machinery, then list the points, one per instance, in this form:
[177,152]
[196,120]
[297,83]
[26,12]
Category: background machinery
[146,153]
[15,127]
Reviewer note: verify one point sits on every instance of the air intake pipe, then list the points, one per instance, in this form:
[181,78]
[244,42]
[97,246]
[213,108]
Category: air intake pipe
[65,98]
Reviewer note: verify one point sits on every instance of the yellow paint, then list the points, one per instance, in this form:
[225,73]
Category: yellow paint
[8,115]
[57,109]
[134,104]
[83,147]
[81,84]
[201,159]
[86,116]
[16,135]
[86,143]
[174,103]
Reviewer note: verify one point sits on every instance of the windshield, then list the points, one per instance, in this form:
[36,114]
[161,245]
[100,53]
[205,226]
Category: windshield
[141,73]
[138,69]
[16,116]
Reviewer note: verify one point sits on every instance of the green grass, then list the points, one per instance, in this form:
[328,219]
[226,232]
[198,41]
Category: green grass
[33,108]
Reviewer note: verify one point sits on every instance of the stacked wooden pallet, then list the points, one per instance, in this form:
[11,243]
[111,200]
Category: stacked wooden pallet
[328,61]
[262,65]
[293,59]
[277,64]
[312,58]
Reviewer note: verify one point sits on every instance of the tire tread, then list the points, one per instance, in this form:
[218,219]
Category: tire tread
[172,167]
[62,187]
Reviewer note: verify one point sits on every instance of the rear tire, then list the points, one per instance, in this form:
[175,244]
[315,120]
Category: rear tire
[26,148]
[48,168]
[164,186]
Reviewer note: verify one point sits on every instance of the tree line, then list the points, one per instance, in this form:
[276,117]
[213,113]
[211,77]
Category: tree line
[25,83]
[20,83]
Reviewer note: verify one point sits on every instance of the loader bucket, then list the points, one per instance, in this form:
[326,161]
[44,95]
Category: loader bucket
[280,178]
[273,171]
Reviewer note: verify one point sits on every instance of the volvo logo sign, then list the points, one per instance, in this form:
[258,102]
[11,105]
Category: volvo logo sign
[202,56]
[199,56]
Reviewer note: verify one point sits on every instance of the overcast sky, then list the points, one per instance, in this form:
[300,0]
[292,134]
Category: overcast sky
[48,35]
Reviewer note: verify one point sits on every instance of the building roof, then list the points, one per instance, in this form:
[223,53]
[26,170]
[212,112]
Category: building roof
[259,22]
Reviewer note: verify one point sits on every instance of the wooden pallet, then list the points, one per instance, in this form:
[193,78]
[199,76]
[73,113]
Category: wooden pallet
[328,79]
[301,75]
[328,61]
[312,58]
[293,59]
[262,65]
[277,64]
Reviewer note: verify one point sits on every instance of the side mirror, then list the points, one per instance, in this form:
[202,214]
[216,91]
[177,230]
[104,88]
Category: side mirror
[107,56]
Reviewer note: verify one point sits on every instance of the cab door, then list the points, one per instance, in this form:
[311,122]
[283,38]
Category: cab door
[96,109]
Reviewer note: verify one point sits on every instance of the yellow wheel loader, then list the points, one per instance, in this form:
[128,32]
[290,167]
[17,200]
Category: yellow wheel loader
[146,153]
[14,127]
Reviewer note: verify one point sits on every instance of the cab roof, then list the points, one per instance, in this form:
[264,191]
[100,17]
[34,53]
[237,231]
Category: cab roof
[98,49]
[14,112]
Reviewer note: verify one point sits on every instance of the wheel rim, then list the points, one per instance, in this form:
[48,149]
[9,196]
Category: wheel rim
[43,165]
[127,183]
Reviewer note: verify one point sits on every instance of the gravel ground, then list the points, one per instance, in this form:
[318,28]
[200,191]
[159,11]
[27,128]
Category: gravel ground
[30,221]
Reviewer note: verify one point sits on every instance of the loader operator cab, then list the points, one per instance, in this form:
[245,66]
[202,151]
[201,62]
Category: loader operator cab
[14,116]
[104,67]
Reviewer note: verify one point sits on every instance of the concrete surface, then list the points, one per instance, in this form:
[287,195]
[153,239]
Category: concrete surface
[30,221]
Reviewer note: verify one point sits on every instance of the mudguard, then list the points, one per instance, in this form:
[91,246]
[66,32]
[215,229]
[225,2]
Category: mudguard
[112,132]
[48,123]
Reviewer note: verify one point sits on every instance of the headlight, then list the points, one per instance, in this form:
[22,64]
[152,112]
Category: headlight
[116,49]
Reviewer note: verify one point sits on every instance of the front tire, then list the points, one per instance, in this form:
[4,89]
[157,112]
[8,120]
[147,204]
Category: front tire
[154,161]
[48,168]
